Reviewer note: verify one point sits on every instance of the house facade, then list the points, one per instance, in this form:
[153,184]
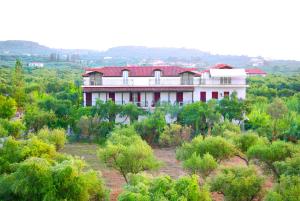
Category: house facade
[147,86]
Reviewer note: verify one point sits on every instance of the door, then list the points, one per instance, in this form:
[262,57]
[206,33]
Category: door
[214,95]
[111,95]
[226,93]
[88,99]
[179,98]
[156,98]
[203,96]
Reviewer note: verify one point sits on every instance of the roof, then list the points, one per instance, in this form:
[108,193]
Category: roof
[137,88]
[255,71]
[227,72]
[140,71]
[221,66]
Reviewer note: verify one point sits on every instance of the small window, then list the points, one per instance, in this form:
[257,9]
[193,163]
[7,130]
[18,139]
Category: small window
[225,80]
[125,76]
[157,75]
[187,79]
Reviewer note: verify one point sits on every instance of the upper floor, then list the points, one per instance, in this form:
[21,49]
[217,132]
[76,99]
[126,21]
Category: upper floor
[164,76]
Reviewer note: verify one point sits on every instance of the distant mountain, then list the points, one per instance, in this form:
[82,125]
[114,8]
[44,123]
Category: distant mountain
[20,47]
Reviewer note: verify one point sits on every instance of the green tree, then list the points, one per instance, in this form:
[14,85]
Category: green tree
[200,165]
[174,135]
[57,137]
[238,183]
[277,110]
[126,152]
[7,107]
[18,92]
[132,111]
[288,189]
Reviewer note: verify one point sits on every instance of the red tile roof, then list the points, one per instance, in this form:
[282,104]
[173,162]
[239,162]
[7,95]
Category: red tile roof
[141,71]
[138,88]
[222,66]
[255,71]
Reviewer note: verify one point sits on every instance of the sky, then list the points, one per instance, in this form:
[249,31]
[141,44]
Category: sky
[268,28]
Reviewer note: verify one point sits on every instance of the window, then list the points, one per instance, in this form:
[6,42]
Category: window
[225,80]
[214,95]
[95,79]
[125,76]
[226,93]
[157,75]
[187,78]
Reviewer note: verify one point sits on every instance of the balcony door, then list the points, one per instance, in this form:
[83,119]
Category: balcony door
[111,96]
[156,98]
[203,96]
[88,99]
[179,97]
[215,95]
[135,97]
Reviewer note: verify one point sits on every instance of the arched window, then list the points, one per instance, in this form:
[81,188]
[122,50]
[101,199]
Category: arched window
[95,78]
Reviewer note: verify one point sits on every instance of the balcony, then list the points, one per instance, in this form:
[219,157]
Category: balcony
[169,82]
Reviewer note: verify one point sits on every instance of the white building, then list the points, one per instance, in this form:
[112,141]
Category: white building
[148,85]
[36,64]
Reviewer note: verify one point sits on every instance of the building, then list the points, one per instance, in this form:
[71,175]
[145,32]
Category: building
[36,64]
[255,72]
[147,86]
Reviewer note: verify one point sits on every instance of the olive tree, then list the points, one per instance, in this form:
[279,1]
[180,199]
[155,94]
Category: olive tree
[126,152]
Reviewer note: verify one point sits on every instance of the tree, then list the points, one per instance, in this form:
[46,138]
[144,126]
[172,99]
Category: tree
[18,84]
[152,127]
[106,110]
[212,115]
[286,190]
[270,153]
[237,183]
[232,108]
[201,165]
[126,152]
[146,188]
[174,135]
[277,109]
[291,166]
[12,128]
[220,128]
[218,147]
[132,111]
[57,137]
[37,179]
[7,107]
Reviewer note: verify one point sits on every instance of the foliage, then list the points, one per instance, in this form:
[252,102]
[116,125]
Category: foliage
[57,137]
[7,107]
[37,179]
[174,135]
[288,189]
[126,152]
[202,165]
[291,166]
[12,128]
[18,91]
[218,147]
[237,183]
[221,128]
[144,188]
[270,153]
[132,111]
[247,140]
[151,128]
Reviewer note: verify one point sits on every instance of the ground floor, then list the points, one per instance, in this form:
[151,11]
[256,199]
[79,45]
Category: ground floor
[149,97]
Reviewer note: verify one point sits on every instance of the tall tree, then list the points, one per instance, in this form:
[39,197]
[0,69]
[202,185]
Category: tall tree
[18,92]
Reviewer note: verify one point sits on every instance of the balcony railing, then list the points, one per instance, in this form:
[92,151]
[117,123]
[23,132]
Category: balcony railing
[153,103]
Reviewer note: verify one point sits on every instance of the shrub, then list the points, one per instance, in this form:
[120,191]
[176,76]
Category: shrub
[238,183]
[57,137]
[218,147]
[145,188]
[203,166]
[36,179]
[219,129]
[12,128]
[174,135]
[288,189]
[8,107]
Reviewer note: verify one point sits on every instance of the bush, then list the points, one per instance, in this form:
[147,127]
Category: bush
[220,129]
[57,137]
[203,166]
[218,147]
[36,179]
[145,188]
[174,135]
[11,128]
[247,140]
[288,189]
[238,183]
[8,107]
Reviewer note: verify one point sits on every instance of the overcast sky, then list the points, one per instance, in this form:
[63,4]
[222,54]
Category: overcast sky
[270,28]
